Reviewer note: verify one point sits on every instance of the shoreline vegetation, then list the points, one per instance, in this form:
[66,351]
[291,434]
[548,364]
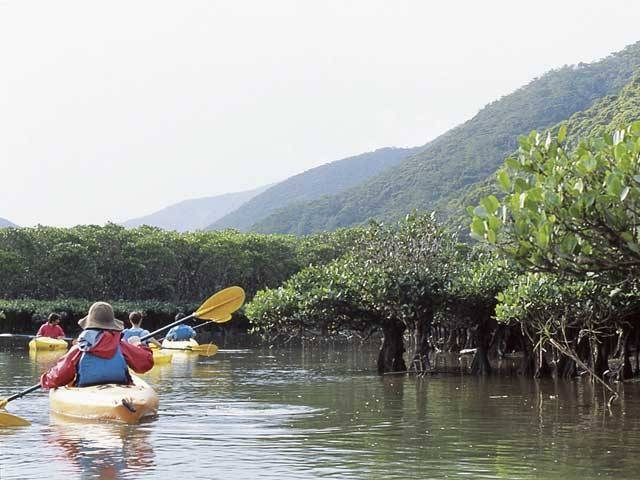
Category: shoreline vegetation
[552,277]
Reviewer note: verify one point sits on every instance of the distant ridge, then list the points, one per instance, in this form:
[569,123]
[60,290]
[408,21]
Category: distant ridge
[464,155]
[6,223]
[194,214]
[327,179]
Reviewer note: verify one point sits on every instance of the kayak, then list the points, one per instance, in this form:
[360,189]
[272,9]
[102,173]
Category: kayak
[120,403]
[179,344]
[48,343]
[45,359]
[161,357]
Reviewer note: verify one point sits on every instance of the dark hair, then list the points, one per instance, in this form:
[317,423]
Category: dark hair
[135,317]
[179,315]
[53,317]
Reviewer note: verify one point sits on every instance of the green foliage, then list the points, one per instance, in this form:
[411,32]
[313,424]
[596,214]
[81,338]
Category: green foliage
[151,264]
[549,307]
[481,275]
[76,308]
[569,207]
[570,212]
[546,303]
[391,273]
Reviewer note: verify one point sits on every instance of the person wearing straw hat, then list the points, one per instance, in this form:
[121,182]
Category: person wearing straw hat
[100,356]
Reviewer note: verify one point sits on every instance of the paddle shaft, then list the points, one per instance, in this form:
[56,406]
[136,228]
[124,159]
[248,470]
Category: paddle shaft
[162,329]
[24,392]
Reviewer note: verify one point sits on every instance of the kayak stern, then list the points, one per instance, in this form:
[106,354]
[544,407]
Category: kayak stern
[119,403]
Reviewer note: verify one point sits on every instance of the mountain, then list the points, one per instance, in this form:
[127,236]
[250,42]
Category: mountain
[467,154]
[606,114]
[195,214]
[6,223]
[327,179]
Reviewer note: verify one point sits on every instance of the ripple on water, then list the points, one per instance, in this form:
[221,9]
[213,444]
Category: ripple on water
[300,414]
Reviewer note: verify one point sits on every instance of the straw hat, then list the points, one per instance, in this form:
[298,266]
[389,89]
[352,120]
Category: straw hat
[101,316]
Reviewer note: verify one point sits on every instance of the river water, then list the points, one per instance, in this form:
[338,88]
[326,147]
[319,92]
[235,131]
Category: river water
[324,413]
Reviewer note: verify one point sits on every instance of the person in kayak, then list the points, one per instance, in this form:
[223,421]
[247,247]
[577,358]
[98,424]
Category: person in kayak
[136,330]
[100,356]
[51,328]
[180,332]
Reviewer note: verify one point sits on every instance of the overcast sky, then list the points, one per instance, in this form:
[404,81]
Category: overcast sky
[113,109]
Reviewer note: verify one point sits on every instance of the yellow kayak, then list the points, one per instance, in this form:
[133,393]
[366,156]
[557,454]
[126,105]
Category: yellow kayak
[161,357]
[45,359]
[48,343]
[185,345]
[120,403]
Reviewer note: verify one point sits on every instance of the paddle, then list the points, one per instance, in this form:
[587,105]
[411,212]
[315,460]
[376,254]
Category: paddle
[20,335]
[216,308]
[9,420]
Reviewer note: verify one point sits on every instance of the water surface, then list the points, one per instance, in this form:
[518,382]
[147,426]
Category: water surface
[324,413]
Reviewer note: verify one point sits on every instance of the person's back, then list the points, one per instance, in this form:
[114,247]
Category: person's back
[102,360]
[100,356]
[51,328]
[131,332]
[181,332]
[136,330]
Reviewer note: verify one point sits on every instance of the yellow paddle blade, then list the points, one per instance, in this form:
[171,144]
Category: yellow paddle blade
[208,349]
[217,320]
[3,403]
[219,306]
[9,420]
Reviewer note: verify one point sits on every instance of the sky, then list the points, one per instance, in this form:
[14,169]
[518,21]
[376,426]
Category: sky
[112,110]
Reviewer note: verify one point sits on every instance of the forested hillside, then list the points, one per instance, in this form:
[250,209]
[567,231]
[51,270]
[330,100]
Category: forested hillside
[605,115]
[195,214]
[6,223]
[327,179]
[466,154]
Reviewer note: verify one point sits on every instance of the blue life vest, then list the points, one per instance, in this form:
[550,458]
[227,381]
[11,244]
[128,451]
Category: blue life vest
[94,370]
[135,332]
[181,332]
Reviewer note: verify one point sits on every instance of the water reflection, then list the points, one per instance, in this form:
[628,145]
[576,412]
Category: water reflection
[311,413]
[43,360]
[101,450]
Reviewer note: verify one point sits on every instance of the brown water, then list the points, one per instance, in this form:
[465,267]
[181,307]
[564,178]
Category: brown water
[324,413]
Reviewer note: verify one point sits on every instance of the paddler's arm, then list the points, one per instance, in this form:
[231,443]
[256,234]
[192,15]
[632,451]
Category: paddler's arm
[139,357]
[63,372]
